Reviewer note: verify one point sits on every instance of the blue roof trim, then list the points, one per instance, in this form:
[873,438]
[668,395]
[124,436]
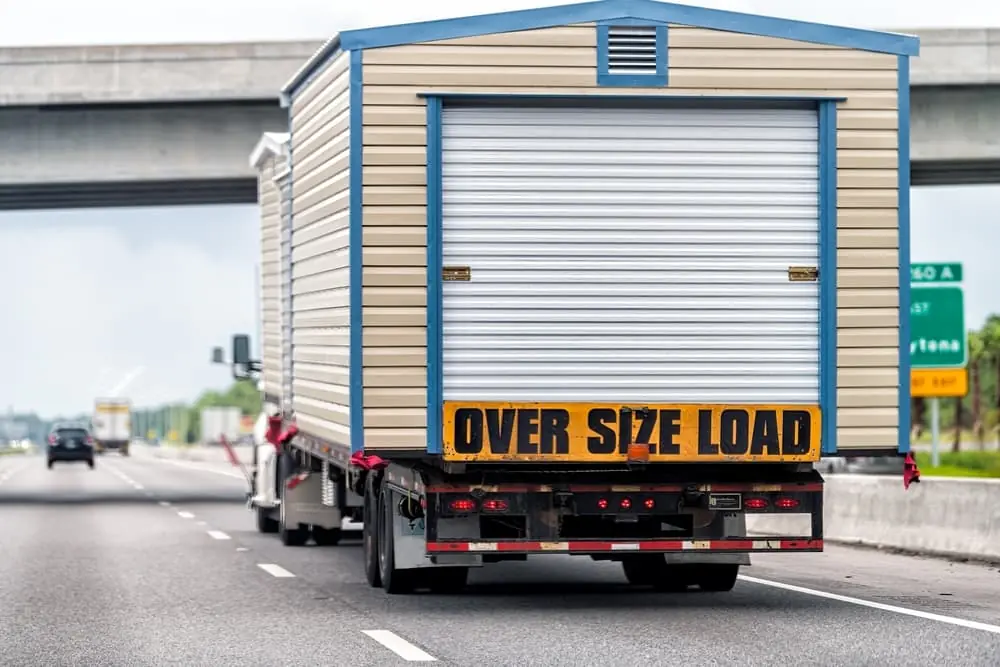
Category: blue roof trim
[828,275]
[311,69]
[355,260]
[648,10]
[605,78]
[435,347]
[903,71]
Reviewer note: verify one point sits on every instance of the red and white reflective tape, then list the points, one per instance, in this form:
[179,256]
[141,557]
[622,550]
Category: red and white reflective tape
[593,546]
[296,480]
[811,487]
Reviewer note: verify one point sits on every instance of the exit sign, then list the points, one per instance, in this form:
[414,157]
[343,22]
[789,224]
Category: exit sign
[936,273]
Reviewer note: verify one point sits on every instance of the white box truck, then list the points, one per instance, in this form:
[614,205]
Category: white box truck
[112,425]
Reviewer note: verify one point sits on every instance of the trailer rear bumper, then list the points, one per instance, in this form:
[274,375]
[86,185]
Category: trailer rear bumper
[769,545]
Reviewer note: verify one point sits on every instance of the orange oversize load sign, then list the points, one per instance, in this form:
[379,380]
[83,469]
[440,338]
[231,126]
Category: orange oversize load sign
[587,432]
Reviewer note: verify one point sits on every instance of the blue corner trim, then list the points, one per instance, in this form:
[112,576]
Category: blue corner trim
[355,260]
[435,390]
[605,78]
[828,274]
[904,253]
[647,10]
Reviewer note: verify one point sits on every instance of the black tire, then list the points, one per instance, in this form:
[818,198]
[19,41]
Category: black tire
[394,581]
[369,533]
[717,578]
[265,522]
[653,570]
[326,537]
[447,580]
[90,463]
[51,463]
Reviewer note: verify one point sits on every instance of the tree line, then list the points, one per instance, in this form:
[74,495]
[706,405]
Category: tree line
[978,412]
[185,419]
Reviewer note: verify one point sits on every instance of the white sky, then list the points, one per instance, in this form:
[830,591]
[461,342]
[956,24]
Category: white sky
[94,294]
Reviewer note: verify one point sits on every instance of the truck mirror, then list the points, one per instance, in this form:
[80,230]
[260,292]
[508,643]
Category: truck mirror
[241,350]
[218,356]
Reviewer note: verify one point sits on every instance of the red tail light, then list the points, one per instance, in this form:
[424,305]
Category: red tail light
[602,504]
[649,503]
[52,439]
[495,505]
[786,503]
[89,440]
[755,503]
[626,503]
[462,505]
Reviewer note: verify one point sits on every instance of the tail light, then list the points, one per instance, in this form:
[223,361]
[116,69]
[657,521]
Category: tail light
[626,503]
[89,440]
[52,439]
[462,505]
[755,503]
[786,503]
[649,503]
[602,504]
[495,505]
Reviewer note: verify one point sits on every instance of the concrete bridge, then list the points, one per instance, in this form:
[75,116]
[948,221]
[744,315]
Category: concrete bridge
[155,125]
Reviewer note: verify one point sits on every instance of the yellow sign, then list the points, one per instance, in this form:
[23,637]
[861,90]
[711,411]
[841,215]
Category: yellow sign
[939,382]
[580,432]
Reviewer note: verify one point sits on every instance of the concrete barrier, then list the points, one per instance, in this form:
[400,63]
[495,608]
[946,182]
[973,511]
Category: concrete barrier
[939,516]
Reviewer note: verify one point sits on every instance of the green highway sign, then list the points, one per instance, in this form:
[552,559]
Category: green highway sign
[936,273]
[937,327]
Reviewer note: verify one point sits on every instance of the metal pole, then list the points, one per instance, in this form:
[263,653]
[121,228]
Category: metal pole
[935,432]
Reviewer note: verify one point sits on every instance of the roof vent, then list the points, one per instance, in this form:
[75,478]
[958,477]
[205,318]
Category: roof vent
[632,50]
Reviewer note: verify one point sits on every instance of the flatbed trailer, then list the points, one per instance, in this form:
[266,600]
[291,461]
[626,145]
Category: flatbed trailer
[614,304]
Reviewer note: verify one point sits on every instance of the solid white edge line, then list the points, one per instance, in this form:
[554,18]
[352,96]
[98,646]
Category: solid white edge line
[400,646]
[275,570]
[218,535]
[951,620]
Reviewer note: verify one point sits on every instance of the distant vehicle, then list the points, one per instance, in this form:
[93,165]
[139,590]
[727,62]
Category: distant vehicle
[70,442]
[112,422]
[220,422]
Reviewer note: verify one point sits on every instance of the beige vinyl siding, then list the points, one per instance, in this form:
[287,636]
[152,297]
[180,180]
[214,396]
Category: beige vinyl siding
[320,267]
[700,62]
[270,289]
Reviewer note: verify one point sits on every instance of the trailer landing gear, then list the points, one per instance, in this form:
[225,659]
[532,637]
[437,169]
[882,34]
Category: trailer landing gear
[653,570]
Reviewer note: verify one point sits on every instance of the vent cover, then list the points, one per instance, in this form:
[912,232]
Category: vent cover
[632,50]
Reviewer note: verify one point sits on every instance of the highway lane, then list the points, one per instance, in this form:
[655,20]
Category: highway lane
[571,611]
[95,571]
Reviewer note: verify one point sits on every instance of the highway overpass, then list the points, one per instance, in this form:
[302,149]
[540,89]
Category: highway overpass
[174,124]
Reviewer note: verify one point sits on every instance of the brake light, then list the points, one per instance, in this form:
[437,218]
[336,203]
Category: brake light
[89,440]
[602,504]
[786,503]
[462,505]
[495,505]
[756,503]
[52,439]
[626,503]
[649,503]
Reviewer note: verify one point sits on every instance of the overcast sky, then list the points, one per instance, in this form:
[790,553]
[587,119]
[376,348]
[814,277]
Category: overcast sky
[95,295]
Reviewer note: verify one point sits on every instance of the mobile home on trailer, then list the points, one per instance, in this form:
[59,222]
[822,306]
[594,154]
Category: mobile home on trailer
[598,279]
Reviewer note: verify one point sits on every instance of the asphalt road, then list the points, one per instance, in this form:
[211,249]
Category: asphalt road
[154,562]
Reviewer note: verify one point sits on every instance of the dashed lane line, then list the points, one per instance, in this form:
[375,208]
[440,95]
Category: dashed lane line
[195,466]
[275,570]
[185,515]
[400,646]
[218,535]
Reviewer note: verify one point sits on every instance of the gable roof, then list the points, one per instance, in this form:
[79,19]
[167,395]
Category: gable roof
[606,10]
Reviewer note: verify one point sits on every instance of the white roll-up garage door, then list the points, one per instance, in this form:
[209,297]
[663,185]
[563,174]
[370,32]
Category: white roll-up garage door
[630,255]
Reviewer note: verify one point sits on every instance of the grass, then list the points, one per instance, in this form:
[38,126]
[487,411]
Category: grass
[961,464]
[12,452]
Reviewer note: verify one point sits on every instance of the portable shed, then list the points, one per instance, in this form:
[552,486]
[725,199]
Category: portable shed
[270,159]
[611,201]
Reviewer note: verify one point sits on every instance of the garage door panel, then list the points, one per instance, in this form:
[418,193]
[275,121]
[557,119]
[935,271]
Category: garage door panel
[623,255]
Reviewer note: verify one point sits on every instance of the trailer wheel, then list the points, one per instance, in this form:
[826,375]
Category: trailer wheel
[265,522]
[326,537]
[394,581]
[369,532]
[653,570]
[719,578]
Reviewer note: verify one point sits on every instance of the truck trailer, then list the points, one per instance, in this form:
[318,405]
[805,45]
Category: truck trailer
[604,279]
[112,423]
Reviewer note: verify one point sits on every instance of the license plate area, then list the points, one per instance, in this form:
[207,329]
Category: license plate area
[725,502]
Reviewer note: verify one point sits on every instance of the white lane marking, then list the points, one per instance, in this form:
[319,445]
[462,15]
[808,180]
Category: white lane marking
[940,618]
[194,466]
[125,478]
[400,646]
[242,549]
[275,570]
[164,503]
[218,535]
[202,523]
[185,515]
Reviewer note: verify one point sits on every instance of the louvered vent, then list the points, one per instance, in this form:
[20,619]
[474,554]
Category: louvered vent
[632,50]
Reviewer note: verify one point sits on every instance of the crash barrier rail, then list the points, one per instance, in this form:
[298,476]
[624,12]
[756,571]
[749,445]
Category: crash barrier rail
[952,517]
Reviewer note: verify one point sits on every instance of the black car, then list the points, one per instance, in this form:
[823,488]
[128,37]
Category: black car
[70,442]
